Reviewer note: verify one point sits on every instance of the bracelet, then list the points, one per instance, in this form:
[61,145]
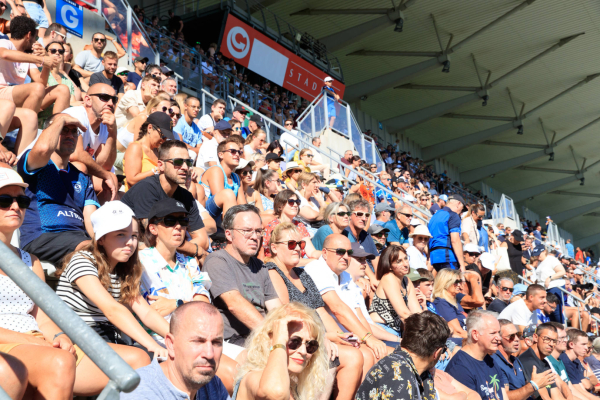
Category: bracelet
[57,335]
[196,255]
[364,339]
[535,386]
[277,346]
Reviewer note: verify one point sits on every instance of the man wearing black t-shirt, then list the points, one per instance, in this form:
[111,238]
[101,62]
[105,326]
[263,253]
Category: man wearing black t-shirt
[174,167]
[109,61]
[515,251]
[175,22]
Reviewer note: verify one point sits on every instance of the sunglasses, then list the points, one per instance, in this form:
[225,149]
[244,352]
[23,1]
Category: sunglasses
[54,51]
[170,221]
[295,342]
[504,289]
[472,254]
[291,202]
[174,114]
[99,40]
[514,336]
[361,214]
[178,162]
[309,155]
[459,282]
[245,173]
[291,244]
[7,200]
[234,152]
[343,214]
[165,109]
[380,234]
[341,252]
[105,97]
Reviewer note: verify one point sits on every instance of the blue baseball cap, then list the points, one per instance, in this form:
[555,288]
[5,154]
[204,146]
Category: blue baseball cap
[519,289]
[443,197]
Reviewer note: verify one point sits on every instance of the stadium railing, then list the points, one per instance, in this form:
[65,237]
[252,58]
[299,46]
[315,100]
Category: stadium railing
[121,376]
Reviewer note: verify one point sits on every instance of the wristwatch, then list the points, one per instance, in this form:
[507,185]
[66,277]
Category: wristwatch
[179,303]
[277,346]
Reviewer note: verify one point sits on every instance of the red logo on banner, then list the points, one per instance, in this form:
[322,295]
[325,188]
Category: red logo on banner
[269,59]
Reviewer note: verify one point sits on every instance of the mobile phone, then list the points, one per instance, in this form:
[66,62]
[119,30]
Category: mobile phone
[352,339]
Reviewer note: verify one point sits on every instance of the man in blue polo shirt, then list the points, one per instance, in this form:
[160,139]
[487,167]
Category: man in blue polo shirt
[359,215]
[577,342]
[399,226]
[445,247]
[57,221]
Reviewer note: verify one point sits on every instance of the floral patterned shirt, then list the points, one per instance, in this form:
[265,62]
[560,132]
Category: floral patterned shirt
[395,377]
[271,226]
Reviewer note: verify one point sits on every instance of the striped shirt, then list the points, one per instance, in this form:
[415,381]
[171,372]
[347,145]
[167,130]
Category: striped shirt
[82,265]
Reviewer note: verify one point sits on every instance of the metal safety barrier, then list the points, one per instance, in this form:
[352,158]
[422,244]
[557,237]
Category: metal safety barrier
[122,378]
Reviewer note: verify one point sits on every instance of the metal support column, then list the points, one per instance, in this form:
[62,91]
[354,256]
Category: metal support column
[574,212]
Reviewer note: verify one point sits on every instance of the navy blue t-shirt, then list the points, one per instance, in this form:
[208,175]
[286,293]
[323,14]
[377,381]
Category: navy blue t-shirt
[213,390]
[441,225]
[449,312]
[58,197]
[484,377]
[134,77]
[574,368]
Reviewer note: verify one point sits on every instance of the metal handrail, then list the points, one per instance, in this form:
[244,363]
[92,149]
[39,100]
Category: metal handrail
[121,376]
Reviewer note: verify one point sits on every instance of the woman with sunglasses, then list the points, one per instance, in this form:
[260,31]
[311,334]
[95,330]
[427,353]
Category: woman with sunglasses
[268,185]
[244,171]
[58,75]
[286,357]
[338,218]
[141,157]
[285,209]
[313,200]
[292,284]
[291,174]
[236,127]
[254,143]
[446,286]
[395,298]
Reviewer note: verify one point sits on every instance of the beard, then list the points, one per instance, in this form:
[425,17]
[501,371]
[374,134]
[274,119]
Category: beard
[201,378]
[173,176]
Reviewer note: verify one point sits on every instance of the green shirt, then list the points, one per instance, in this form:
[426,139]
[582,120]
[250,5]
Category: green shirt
[559,368]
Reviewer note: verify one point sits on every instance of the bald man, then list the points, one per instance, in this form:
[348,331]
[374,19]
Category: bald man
[336,288]
[194,343]
[96,149]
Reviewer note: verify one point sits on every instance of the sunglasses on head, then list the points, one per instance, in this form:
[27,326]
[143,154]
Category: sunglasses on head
[170,221]
[295,342]
[105,97]
[178,162]
[361,214]
[7,200]
[54,51]
[165,109]
[341,252]
[504,289]
[291,244]
[291,202]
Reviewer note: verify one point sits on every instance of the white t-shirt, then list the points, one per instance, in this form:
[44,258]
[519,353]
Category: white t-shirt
[519,314]
[12,72]
[546,269]
[91,140]
[206,121]
[306,203]
[208,152]
[249,150]
[289,138]
[130,99]
[416,258]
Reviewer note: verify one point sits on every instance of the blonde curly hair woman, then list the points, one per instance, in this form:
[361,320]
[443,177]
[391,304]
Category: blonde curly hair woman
[286,357]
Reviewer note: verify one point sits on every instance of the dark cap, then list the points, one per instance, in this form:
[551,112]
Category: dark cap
[518,235]
[163,122]
[537,251]
[167,206]
[273,157]
[241,109]
[529,331]
[258,120]
[457,197]
[374,229]
[144,59]
[358,251]
[222,125]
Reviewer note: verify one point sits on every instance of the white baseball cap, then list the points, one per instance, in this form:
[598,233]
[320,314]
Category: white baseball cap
[488,261]
[471,248]
[328,79]
[9,177]
[112,216]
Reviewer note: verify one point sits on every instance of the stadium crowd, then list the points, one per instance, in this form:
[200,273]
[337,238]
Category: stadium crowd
[219,265]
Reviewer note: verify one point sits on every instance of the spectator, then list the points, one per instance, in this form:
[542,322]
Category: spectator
[56,33]
[101,283]
[175,23]
[395,299]
[217,112]
[107,74]
[383,213]
[537,234]
[293,284]
[544,341]
[191,364]
[545,313]
[422,280]
[399,226]
[445,248]
[57,74]
[579,255]
[470,232]
[570,249]
[290,139]
[511,368]
[340,301]
[473,365]
[439,204]
[291,174]
[417,252]
[405,373]
[593,360]
[446,287]
[189,132]
[244,171]
[332,99]
[134,101]
[141,157]
[270,373]
[254,143]
[577,342]
[505,291]
[522,312]
[273,161]
[239,114]
[379,235]
[243,307]
[255,123]
[380,195]
[311,200]
[515,251]
[40,14]
[135,77]
[359,215]
[267,183]
[96,149]
[169,85]
[173,170]
[337,217]
[307,160]
[346,160]
[89,61]
[15,10]
[207,156]
[550,273]
[554,359]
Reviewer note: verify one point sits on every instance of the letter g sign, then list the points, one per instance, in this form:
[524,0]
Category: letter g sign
[70,15]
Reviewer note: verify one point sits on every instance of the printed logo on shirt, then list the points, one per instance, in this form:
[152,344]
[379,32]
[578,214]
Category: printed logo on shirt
[77,187]
[90,150]
[70,214]
[492,393]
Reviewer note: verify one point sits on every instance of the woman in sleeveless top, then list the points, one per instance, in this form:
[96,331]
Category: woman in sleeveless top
[293,284]
[268,185]
[244,171]
[395,298]
[141,157]
[286,357]
[56,368]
